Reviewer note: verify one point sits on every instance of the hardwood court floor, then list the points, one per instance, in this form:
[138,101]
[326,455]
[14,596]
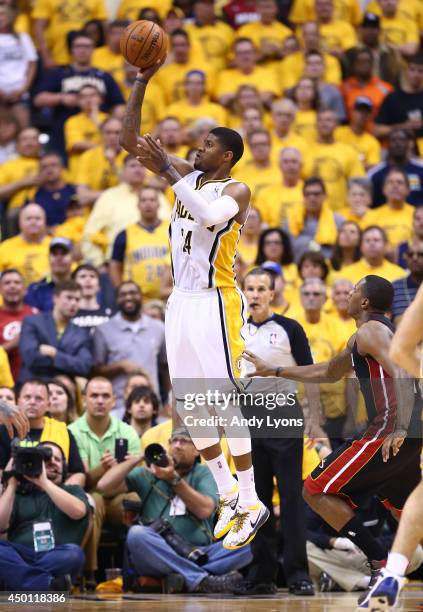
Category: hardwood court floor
[322,602]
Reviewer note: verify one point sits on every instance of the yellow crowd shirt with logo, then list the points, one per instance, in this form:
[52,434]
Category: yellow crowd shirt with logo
[397,223]
[15,170]
[104,58]
[29,258]
[275,201]
[367,146]
[81,128]
[95,171]
[215,40]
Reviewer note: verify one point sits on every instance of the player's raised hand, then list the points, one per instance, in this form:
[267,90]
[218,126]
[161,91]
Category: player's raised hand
[394,441]
[13,417]
[152,155]
[261,367]
[147,73]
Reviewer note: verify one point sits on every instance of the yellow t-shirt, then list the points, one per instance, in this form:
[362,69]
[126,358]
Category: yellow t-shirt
[346,10]
[64,16]
[292,140]
[362,222]
[215,40]
[274,201]
[146,255]
[337,35]
[152,107]
[305,125]
[130,9]
[81,128]
[262,77]
[398,224]
[95,171]
[6,378]
[105,59]
[407,9]
[29,258]
[72,228]
[335,164]
[291,70]
[187,113]
[358,270]
[260,33]
[399,30]
[367,146]
[15,170]
[171,78]
[256,178]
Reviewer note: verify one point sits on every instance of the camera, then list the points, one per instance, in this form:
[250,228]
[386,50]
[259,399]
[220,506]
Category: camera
[28,461]
[175,541]
[155,454]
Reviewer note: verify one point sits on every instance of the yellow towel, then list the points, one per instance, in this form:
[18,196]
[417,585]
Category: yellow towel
[326,232]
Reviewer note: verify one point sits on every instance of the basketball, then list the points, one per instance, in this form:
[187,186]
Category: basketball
[143,43]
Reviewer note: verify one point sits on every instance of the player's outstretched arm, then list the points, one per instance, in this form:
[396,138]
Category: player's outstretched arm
[404,349]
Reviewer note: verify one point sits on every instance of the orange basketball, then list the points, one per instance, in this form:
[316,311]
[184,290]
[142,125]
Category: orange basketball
[143,43]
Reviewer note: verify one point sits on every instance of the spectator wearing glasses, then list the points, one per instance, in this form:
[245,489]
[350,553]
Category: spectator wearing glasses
[417,233]
[406,288]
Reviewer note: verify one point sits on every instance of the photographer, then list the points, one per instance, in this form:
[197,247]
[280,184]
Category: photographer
[45,523]
[184,494]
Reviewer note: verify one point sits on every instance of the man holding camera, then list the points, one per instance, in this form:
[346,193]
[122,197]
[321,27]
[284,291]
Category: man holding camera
[178,499]
[45,521]
[102,440]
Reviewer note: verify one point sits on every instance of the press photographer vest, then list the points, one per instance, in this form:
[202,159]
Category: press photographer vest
[53,431]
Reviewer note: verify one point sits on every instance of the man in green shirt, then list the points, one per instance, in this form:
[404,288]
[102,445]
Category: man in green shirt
[96,432]
[45,527]
[185,494]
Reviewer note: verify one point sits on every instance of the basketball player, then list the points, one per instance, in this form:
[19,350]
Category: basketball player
[12,417]
[404,350]
[205,311]
[363,467]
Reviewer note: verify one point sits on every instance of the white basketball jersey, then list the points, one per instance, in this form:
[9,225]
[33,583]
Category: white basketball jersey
[202,257]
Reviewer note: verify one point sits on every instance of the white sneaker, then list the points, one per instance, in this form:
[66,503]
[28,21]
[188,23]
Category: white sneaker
[226,512]
[246,523]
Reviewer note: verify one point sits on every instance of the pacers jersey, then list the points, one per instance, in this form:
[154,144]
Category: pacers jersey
[202,257]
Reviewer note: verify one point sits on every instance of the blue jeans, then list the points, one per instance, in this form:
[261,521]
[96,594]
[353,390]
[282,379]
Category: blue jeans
[152,556]
[23,569]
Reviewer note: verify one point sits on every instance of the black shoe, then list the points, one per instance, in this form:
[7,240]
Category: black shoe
[301,588]
[173,583]
[375,567]
[61,583]
[327,584]
[218,584]
[247,588]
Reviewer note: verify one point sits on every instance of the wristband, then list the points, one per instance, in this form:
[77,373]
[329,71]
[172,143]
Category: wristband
[165,167]
[278,371]
[175,481]
[141,80]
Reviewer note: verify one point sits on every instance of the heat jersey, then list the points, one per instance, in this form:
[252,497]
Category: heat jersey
[202,257]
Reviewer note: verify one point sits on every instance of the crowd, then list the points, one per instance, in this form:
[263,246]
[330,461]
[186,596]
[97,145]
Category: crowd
[328,97]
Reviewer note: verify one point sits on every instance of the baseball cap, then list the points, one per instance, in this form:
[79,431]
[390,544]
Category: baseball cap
[180,432]
[60,241]
[363,103]
[272,266]
[370,20]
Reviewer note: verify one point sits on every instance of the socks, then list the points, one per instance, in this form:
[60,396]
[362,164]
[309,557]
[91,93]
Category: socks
[222,474]
[397,564]
[247,488]
[362,537]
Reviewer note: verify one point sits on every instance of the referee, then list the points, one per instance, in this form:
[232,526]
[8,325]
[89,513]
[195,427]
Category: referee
[281,341]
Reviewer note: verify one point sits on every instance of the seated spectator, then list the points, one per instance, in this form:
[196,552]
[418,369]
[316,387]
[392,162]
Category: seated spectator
[373,247]
[312,224]
[405,289]
[72,227]
[171,135]
[312,264]
[82,131]
[213,35]
[155,309]
[279,303]
[96,433]
[53,193]
[347,246]
[305,10]
[7,394]
[305,94]
[26,563]
[141,251]
[275,202]
[387,60]
[12,313]
[396,216]
[337,35]
[108,57]
[398,155]
[195,104]
[275,245]
[98,169]
[247,96]
[291,69]
[329,95]
[141,409]
[59,87]
[334,162]
[355,134]
[189,486]
[95,30]
[106,219]
[28,251]
[19,176]
[19,61]
[283,134]
[402,34]
[260,171]
[402,107]
[341,290]
[33,400]
[364,83]
[268,34]
[248,243]
[9,129]
[129,341]
[246,71]
[61,403]
[51,344]
[417,233]
[40,294]
[251,121]
[139,379]
[359,198]
[90,312]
